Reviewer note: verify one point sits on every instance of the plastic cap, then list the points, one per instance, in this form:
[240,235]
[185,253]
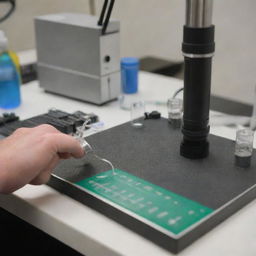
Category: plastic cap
[3,41]
[129,61]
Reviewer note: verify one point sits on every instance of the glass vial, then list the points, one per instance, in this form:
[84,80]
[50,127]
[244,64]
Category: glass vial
[84,144]
[244,147]
[175,109]
[137,114]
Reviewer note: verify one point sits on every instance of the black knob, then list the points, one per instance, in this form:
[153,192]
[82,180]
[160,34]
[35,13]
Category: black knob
[107,58]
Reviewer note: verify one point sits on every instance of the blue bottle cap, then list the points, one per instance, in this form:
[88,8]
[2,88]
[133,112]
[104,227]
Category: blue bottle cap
[129,61]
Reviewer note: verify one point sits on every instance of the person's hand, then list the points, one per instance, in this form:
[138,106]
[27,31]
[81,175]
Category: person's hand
[29,155]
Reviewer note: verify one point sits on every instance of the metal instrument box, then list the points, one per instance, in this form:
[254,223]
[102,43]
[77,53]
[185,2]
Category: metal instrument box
[75,59]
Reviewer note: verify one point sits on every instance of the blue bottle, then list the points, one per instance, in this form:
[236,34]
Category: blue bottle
[9,77]
[129,74]
[129,81]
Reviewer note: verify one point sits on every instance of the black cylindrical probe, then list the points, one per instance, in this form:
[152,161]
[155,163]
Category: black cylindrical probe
[198,49]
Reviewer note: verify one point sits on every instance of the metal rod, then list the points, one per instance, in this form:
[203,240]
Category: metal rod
[199,13]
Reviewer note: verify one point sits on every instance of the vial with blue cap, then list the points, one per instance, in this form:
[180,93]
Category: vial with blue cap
[129,82]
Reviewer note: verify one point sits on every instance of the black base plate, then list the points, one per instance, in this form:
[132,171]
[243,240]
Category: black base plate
[152,153]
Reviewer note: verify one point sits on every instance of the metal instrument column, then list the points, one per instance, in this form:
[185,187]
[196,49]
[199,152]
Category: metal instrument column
[198,49]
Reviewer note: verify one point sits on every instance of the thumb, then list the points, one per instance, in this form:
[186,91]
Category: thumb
[63,143]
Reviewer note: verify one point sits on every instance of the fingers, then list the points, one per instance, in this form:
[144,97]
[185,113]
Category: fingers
[44,128]
[42,178]
[64,155]
[64,147]
[45,174]
[62,143]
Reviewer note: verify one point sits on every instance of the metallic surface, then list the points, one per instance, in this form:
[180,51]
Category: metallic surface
[199,13]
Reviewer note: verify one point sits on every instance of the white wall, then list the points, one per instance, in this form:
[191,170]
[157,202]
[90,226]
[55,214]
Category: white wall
[235,60]
[154,27]
[20,28]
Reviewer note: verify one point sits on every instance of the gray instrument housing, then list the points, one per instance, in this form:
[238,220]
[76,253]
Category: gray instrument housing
[75,59]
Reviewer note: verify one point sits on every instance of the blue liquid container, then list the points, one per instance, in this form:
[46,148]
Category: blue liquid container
[9,83]
[129,75]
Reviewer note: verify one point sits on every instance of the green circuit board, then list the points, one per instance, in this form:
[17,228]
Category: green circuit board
[157,205]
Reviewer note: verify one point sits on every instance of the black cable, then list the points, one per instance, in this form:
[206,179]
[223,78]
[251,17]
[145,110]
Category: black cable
[102,14]
[105,25]
[11,10]
[177,92]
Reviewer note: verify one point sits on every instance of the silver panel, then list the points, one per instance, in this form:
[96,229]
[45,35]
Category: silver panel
[95,90]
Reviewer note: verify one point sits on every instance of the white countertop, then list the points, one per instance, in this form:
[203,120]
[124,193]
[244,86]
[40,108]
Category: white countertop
[92,233]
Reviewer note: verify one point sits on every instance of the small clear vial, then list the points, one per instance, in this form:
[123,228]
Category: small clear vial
[175,109]
[244,147]
[88,149]
[84,144]
[137,114]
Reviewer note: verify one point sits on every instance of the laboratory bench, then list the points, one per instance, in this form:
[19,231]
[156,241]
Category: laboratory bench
[87,231]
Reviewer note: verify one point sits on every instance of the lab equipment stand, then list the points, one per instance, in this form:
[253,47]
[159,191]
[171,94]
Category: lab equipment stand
[151,156]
